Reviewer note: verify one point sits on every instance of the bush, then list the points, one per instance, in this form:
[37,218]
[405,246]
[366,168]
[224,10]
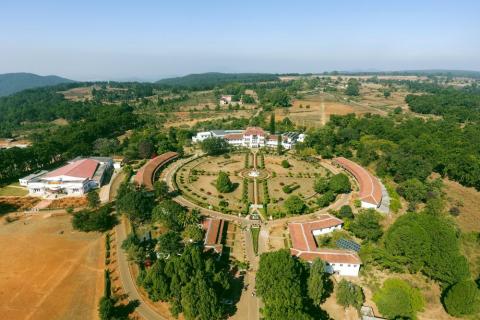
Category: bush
[367,225]
[340,183]
[397,299]
[345,212]
[294,205]
[326,199]
[463,298]
[223,183]
[321,185]
[98,220]
[349,294]
[286,164]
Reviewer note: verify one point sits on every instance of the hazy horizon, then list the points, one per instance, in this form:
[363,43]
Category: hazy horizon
[148,41]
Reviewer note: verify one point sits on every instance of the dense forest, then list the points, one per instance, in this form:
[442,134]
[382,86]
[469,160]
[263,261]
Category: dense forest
[403,147]
[57,145]
[209,80]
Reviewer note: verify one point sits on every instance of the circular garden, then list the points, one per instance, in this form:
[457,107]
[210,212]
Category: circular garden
[286,185]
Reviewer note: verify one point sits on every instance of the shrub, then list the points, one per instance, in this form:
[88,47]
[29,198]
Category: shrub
[326,199]
[345,212]
[349,294]
[223,183]
[463,298]
[397,299]
[295,205]
[286,164]
[367,225]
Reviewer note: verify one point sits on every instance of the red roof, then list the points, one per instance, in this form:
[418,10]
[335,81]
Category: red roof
[233,136]
[254,131]
[214,233]
[84,168]
[370,187]
[302,232]
[145,174]
[329,255]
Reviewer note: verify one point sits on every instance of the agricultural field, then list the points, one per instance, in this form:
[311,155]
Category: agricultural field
[53,271]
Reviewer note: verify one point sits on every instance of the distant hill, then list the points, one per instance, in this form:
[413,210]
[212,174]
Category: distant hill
[211,79]
[15,82]
[428,72]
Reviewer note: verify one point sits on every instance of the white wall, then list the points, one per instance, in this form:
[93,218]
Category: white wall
[368,205]
[326,230]
[344,269]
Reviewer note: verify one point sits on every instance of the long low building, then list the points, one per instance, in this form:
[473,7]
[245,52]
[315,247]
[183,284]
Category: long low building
[146,174]
[304,245]
[370,188]
[214,230]
[252,137]
[76,178]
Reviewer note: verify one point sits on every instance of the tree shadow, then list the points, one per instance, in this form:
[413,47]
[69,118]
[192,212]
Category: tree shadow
[123,310]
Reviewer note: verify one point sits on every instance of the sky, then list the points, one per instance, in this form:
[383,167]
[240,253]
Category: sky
[149,40]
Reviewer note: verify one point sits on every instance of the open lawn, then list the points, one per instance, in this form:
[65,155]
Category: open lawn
[13,190]
[48,271]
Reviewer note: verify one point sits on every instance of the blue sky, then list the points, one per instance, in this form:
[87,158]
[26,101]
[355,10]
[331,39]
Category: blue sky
[94,40]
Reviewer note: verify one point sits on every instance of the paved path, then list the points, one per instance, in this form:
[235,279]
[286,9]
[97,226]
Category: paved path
[128,283]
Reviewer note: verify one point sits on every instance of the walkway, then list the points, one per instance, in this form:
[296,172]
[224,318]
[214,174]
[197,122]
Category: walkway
[128,283]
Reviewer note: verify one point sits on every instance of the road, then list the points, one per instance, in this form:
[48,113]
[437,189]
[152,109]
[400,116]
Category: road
[128,283]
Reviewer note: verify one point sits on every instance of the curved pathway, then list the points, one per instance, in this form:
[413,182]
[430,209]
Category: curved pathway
[128,283]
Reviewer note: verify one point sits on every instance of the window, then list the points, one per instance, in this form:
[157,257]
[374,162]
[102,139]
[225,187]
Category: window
[341,264]
[349,265]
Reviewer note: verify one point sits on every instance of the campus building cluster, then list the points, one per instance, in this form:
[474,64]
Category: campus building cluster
[252,137]
[304,245]
[76,178]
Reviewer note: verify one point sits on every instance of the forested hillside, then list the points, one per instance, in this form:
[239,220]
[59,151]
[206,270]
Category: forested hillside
[211,79]
[15,82]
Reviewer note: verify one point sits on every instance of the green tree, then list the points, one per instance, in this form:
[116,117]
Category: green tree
[353,87]
[271,127]
[199,300]
[106,308]
[462,299]
[170,242]
[349,294]
[340,183]
[397,299]
[108,284]
[99,220]
[294,205]
[193,233]
[367,225]
[319,284]
[285,164]
[161,190]
[223,183]
[321,185]
[278,283]
[327,198]
[428,244]
[413,190]
[279,145]
[345,212]
[170,214]
[93,199]
[215,146]
[137,203]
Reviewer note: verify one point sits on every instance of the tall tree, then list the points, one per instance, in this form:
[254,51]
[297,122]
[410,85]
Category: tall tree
[271,128]
[319,284]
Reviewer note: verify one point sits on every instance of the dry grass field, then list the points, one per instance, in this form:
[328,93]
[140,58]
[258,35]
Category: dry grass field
[468,201]
[78,94]
[49,271]
[63,203]
[276,238]
[315,110]
[10,204]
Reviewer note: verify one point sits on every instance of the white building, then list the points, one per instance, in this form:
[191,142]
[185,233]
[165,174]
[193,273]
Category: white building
[74,179]
[252,137]
[225,100]
[304,245]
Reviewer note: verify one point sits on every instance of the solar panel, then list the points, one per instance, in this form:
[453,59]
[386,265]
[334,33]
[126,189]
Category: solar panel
[348,244]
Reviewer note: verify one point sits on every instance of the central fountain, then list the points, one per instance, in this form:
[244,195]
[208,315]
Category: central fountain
[254,173]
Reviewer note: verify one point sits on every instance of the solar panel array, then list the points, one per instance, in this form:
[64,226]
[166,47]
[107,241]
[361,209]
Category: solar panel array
[348,244]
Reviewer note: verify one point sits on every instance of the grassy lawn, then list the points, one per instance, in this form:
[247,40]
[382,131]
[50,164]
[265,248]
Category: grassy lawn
[13,189]
[255,232]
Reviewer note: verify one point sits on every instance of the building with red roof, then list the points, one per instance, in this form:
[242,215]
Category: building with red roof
[76,178]
[370,188]
[214,229]
[304,245]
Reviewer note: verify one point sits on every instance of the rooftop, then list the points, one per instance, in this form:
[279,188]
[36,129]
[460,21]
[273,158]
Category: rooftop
[250,131]
[213,234]
[144,176]
[328,255]
[84,168]
[370,188]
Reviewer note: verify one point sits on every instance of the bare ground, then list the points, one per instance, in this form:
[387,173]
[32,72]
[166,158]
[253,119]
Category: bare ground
[46,274]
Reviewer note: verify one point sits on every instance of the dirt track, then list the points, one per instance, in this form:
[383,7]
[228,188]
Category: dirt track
[48,275]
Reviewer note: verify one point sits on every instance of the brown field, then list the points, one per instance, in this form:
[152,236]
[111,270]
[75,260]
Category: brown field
[276,238]
[186,119]
[46,274]
[78,94]
[315,110]
[63,203]
[468,201]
